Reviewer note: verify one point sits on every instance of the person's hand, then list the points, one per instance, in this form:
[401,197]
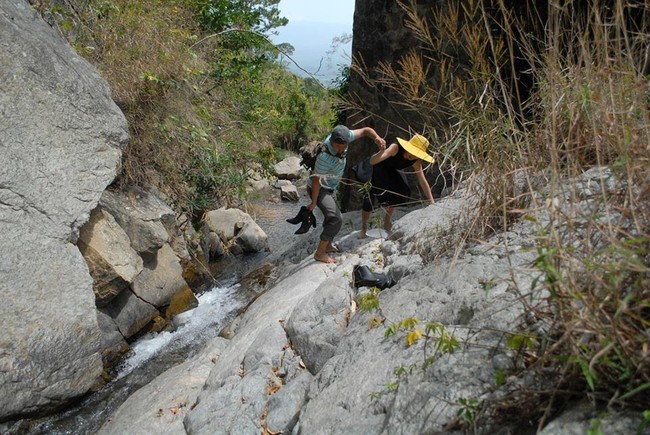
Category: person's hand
[311,206]
[381,143]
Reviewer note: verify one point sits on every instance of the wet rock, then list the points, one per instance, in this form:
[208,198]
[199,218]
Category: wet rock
[160,279]
[181,301]
[113,346]
[130,313]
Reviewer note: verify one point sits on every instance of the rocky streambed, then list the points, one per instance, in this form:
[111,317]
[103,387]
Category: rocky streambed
[239,280]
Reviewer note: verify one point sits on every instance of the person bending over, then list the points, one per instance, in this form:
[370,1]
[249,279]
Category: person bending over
[389,187]
[322,184]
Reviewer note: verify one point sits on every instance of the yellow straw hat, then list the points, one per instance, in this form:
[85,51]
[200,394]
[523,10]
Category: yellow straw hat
[417,146]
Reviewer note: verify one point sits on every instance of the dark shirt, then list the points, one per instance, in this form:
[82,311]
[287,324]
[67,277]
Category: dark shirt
[386,172]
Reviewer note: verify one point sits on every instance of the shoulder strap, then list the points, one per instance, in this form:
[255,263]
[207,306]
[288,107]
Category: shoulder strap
[324,149]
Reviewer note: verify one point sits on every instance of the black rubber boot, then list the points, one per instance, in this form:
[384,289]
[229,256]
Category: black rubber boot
[299,217]
[308,220]
[364,277]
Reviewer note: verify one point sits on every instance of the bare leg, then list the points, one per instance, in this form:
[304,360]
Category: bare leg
[388,219]
[321,252]
[365,215]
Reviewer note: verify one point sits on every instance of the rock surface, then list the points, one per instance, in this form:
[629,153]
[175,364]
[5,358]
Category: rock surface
[112,262]
[235,229]
[61,137]
[306,359]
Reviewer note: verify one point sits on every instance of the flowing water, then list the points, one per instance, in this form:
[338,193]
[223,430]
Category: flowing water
[153,354]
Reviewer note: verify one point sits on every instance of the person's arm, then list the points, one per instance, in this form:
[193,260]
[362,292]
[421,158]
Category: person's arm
[384,153]
[315,190]
[424,184]
[371,133]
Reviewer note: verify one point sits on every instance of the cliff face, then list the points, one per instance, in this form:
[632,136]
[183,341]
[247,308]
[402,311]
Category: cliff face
[380,35]
[61,137]
[386,38]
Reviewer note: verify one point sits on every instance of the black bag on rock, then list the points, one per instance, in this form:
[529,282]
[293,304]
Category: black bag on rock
[364,277]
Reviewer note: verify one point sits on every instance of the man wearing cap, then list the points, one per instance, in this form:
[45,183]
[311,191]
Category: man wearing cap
[388,185]
[322,184]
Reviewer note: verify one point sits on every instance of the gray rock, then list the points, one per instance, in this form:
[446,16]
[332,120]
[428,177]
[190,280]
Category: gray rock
[130,313]
[113,346]
[234,226]
[112,262]
[285,405]
[289,193]
[161,405]
[141,214]
[160,279]
[317,324]
[289,168]
[61,137]
[235,393]
[582,418]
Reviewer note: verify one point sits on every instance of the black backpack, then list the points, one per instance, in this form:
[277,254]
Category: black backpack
[362,171]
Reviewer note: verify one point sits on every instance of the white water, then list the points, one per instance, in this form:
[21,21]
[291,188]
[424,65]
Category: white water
[196,326]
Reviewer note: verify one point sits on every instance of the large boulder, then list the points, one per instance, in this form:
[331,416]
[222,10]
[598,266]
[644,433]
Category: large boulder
[236,229]
[161,278]
[142,215]
[112,262]
[289,168]
[61,137]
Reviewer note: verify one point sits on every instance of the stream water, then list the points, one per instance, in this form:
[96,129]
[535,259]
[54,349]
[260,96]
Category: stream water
[153,354]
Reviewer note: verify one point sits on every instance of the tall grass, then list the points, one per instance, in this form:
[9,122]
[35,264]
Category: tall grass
[524,102]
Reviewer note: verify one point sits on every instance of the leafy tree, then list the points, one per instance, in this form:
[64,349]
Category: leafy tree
[261,16]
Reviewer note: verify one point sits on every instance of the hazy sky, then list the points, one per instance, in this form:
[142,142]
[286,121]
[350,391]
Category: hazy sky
[331,11]
[312,26]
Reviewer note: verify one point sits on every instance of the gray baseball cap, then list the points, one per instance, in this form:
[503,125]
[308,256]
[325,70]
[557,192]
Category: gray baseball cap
[340,134]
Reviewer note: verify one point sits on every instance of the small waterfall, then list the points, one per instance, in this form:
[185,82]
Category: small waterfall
[193,328]
[150,356]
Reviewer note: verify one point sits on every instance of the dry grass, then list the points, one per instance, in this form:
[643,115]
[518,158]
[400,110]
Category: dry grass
[587,106]
[199,124]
